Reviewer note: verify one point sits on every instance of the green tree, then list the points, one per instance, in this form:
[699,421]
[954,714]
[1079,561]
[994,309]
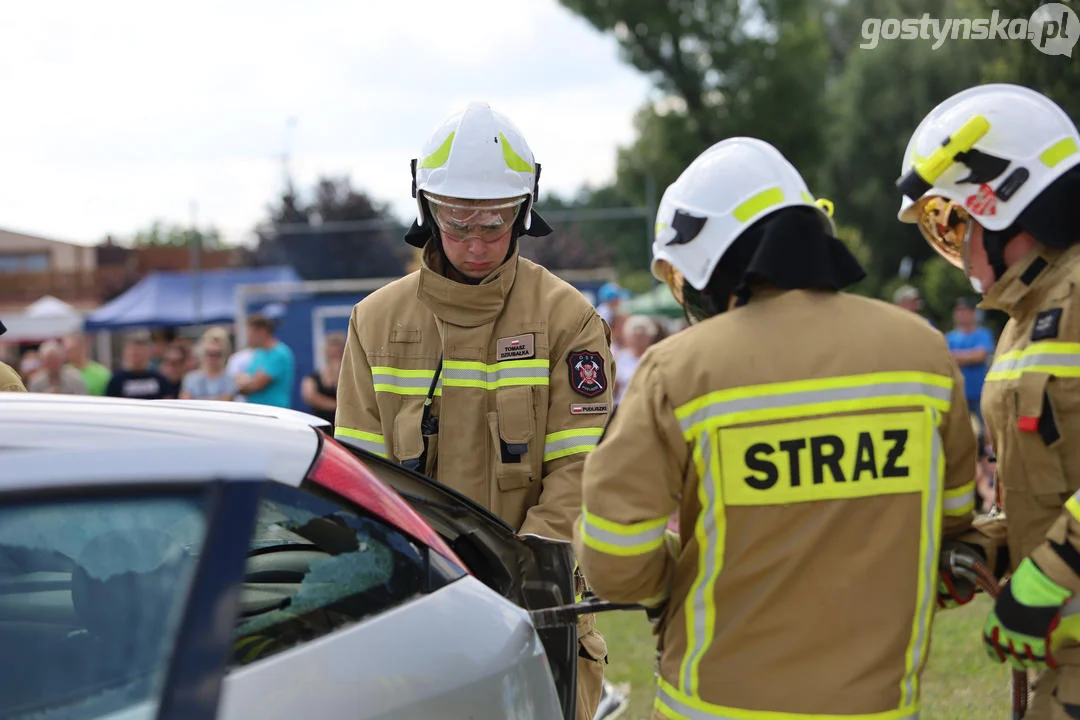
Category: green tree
[340,233]
[721,69]
[161,234]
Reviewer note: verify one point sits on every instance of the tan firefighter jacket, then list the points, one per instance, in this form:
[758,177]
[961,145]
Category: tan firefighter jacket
[523,393]
[1031,402]
[817,446]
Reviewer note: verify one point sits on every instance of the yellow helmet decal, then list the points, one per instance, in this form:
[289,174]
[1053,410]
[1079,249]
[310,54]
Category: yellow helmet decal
[513,161]
[440,156]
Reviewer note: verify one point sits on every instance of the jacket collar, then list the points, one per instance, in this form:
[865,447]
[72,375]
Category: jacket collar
[458,303]
[1034,273]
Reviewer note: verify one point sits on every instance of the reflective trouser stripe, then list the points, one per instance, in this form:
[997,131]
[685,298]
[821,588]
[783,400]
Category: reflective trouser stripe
[787,401]
[460,373]
[1054,358]
[672,703]
[371,442]
[959,501]
[615,538]
[570,442]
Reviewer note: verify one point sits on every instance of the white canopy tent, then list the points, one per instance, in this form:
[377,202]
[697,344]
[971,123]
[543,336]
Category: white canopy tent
[45,318]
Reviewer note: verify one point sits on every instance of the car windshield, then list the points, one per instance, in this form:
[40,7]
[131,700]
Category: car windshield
[91,598]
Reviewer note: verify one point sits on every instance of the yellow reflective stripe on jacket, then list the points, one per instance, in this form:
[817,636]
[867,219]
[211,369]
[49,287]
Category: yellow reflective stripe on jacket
[615,538]
[372,442]
[815,397]
[460,373]
[570,442]
[929,547]
[915,437]
[672,703]
[1073,506]
[710,531]
[403,382]
[959,501]
[1055,358]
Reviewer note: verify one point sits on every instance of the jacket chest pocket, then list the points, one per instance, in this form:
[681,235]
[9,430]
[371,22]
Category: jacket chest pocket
[1035,453]
[513,434]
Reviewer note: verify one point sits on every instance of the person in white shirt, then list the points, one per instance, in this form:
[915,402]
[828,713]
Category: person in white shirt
[638,332]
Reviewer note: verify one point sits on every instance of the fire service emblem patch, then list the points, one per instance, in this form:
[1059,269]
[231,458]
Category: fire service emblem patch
[587,376]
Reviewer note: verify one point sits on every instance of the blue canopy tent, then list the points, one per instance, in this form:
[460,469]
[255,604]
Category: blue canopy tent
[168,299]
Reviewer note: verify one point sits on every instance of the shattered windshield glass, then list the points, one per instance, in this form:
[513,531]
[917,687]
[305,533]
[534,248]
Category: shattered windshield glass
[91,595]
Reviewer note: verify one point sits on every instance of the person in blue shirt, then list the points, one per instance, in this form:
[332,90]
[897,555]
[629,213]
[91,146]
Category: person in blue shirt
[972,346]
[272,372]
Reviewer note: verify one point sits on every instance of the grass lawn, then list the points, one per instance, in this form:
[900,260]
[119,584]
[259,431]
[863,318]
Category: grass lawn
[959,683]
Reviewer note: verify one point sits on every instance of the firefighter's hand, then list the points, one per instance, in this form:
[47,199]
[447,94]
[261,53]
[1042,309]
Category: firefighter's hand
[1024,615]
[954,588]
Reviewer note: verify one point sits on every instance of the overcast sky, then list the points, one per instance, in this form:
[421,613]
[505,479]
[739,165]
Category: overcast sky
[114,114]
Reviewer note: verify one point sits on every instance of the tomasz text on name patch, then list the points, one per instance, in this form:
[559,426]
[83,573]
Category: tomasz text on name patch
[519,347]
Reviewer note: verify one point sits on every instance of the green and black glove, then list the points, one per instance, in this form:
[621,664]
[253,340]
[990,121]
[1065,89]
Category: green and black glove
[1024,615]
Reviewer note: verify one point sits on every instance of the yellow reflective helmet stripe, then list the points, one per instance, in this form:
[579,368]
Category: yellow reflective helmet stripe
[1057,152]
[372,442]
[571,442]
[513,161]
[615,538]
[1054,358]
[959,501]
[672,703]
[803,398]
[763,200]
[438,158]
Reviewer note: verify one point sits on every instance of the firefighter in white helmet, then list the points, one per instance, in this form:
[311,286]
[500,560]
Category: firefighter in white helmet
[816,445]
[482,369]
[992,179]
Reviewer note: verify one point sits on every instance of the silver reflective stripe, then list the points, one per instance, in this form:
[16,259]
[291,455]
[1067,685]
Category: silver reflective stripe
[494,376]
[958,502]
[697,641]
[924,607]
[571,442]
[404,382]
[1026,361]
[694,713]
[619,539]
[370,446]
[813,397]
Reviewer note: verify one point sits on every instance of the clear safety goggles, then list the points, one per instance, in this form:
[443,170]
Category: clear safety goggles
[947,226]
[461,220]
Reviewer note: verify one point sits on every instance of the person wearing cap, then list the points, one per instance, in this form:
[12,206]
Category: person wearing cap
[909,298]
[9,376]
[991,178]
[972,345]
[815,489]
[482,369]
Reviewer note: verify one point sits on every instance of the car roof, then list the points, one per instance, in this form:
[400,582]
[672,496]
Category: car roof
[63,440]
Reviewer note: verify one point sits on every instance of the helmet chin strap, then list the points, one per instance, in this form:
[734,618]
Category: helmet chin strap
[995,241]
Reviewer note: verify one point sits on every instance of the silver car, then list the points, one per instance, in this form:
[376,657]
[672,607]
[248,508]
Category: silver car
[184,559]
